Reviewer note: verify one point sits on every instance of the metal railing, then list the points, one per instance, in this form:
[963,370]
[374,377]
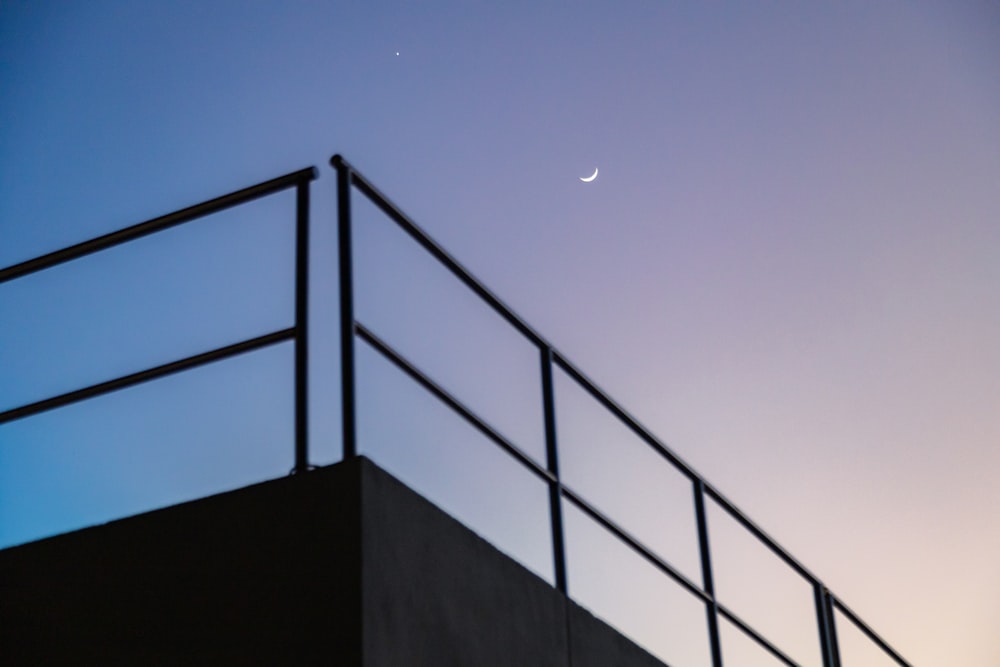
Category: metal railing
[549,358]
[349,179]
[298,332]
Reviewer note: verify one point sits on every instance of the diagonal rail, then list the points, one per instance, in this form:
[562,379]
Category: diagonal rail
[155,225]
[139,377]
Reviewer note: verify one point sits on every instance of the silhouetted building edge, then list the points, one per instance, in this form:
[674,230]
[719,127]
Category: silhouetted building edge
[343,565]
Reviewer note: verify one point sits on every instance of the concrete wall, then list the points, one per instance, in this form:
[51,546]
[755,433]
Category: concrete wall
[341,566]
[267,574]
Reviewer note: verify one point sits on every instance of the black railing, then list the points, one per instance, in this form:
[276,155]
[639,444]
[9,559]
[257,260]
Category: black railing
[298,332]
[348,179]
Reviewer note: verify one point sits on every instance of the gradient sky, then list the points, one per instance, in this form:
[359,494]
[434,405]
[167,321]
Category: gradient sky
[787,267]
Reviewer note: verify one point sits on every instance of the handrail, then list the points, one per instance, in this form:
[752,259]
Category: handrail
[825,602]
[157,224]
[439,253]
[866,629]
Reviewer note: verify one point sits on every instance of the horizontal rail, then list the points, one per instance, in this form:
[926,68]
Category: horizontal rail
[441,393]
[156,224]
[871,634]
[147,375]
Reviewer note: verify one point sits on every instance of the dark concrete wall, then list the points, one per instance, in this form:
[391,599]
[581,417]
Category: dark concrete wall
[267,574]
[341,566]
[437,594]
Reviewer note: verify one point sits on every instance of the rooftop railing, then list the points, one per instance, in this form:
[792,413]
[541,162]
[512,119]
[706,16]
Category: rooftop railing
[549,358]
[297,332]
[559,493]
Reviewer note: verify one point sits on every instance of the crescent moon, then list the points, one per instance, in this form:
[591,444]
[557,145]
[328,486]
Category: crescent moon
[591,177]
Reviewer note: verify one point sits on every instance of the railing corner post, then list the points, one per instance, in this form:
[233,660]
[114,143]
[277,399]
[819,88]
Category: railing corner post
[302,324]
[347,385]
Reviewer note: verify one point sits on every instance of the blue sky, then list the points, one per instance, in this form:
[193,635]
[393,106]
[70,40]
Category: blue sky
[786,267]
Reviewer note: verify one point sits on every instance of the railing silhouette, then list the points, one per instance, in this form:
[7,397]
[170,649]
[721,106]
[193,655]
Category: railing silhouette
[298,332]
[349,180]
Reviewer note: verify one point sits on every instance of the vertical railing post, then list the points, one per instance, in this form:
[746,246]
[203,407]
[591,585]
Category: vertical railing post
[708,582]
[831,627]
[348,414]
[301,326]
[827,630]
[552,463]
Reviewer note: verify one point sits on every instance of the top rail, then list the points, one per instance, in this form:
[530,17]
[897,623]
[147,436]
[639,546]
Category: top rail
[156,224]
[868,631]
[442,255]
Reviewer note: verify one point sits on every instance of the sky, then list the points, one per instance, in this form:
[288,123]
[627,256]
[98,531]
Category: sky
[786,269]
